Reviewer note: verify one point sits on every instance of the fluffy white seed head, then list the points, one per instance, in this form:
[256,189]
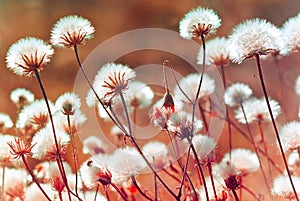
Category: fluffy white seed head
[282,187]
[205,147]
[71,30]
[237,93]
[5,121]
[199,21]
[139,94]
[27,55]
[254,36]
[290,136]
[158,152]
[68,103]
[21,95]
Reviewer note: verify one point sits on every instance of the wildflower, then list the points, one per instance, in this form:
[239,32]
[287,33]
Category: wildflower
[257,110]
[19,148]
[159,117]
[282,186]
[181,124]
[205,147]
[229,174]
[15,183]
[297,86]
[33,191]
[156,152]
[139,94]
[119,135]
[5,121]
[35,113]
[94,146]
[197,22]
[290,136]
[236,94]
[28,55]
[190,85]
[71,30]
[168,102]
[111,80]
[255,36]
[76,120]
[243,160]
[5,152]
[219,186]
[290,35]
[68,103]
[21,97]
[45,145]
[217,52]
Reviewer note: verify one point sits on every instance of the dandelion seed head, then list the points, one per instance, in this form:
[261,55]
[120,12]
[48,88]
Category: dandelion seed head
[290,35]
[190,85]
[254,36]
[5,121]
[15,182]
[282,186]
[5,151]
[237,93]
[205,147]
[199,21]
[68,103]
[45,145]
[21,96]
[290,136]
[244,160]
[71,30]
[27,55]
[158,152]
[219,187]
[139,94]
[94,145]
[33,191]
[217,52]
[111,80]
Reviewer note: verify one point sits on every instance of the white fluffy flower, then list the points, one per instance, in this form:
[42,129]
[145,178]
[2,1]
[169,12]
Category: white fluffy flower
[44,144]
[219,187]
[255,36]
[15,182]
[68,103]
[181,124]
[257,110]
[111,80]
[20,95]
[282,186]
[94,145]
[27,55]
[5,121]
[33,191]
[217,52]
[237,93]
[139,94]
[290,135]
[243,160]
[291,35]
[71,30]
[205,147]
[199,21]
[158,152]
[190,85]
[5,151]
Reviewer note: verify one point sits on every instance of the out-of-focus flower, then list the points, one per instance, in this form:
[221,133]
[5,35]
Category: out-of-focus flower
[111,80]
[44,144]
[139,94]
[236,94]
[33,191]
[251,37]
[21,97]
[282,186]
[15,184]
[61,122]
[19,148]
[94,146]
[199,21]
[68,103]
[156,152]
[257,110]
[205,147]
[243,160]
[290,35]
[28,55]
[290,136]
[5,152]
[181,124]
[229,174]
[71,30]
[190,85]
[35,113]
[5,121]
[217,52]
[219,187]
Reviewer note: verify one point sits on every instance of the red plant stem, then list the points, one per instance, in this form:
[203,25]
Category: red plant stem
[106,193]
[119,191]
[171,175]
[34,178]
[265,146]
[74,152]
[60,163]
[96,193]
[2,185]
[274,124]
[203,117]
[140,190]
[212,179]
[235,195]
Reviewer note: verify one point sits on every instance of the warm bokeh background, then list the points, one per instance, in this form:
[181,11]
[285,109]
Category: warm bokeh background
[36,17]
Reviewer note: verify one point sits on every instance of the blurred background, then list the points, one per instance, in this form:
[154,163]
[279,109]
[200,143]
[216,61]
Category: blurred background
[20,18]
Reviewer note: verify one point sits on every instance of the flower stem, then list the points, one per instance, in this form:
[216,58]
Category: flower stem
[212,179]
[119,191]
[274,124]
[34,178]
[235,195]
[2,185]
[140,190]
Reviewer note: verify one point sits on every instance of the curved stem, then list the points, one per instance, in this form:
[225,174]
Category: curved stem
[235,195]
[96,193]
[119,191]
[140,190]
[274,124]
[34,178]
